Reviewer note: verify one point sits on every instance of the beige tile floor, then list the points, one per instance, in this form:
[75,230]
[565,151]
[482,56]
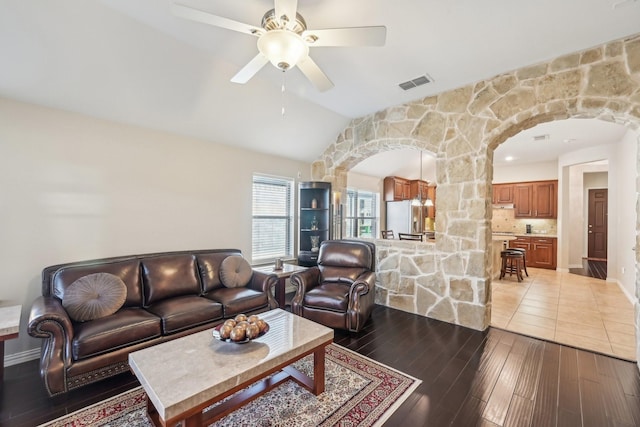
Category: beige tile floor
[566,308]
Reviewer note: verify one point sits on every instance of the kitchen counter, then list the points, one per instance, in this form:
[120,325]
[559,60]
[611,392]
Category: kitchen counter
[503,237]
[537,235]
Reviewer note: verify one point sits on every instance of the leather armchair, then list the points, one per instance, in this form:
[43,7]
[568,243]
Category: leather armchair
[339,292]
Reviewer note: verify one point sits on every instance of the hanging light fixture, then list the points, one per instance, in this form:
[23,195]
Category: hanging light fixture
[417,201]
[283,48]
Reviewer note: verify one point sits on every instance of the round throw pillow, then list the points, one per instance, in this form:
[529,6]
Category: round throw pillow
[235,271]
[94,296]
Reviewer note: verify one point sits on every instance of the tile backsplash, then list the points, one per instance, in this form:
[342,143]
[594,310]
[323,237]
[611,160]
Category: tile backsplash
[504,220]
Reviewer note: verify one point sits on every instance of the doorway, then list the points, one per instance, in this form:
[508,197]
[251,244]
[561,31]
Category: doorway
[597,225]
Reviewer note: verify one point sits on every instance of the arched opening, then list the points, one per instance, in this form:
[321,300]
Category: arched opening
[368,176]
[587,312]
[451,280]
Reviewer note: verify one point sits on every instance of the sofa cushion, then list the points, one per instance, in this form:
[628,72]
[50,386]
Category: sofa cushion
[238,300]
[209,267]
[128,271]
[235,271]
[185,312]
[125,327]
[94,296]
[169,276]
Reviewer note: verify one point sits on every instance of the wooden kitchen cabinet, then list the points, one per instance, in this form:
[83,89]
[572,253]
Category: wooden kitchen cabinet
[538,199]
[502,193]
[522,243]
[396,188]
[544,252]
[541,251]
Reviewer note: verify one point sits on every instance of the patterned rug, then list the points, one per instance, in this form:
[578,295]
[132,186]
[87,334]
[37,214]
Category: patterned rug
[358,392]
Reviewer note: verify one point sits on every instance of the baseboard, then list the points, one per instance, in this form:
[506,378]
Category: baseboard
[23,356]
[632,299]
[576,266]
[562,270]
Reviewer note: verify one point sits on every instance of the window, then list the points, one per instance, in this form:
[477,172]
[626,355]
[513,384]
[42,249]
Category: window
[272,231]
[361,217]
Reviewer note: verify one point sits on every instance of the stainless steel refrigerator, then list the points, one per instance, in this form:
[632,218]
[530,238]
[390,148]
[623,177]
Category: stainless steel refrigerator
[402,217]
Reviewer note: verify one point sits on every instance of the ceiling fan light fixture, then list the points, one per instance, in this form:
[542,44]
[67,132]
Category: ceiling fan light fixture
[283,48]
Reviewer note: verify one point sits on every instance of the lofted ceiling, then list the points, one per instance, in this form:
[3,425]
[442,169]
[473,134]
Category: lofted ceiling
[134,62]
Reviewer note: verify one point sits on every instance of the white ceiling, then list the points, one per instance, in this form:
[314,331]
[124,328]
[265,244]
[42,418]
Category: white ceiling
[134,62]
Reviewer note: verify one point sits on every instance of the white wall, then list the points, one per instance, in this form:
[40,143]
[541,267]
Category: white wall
[625,219]
[522,173]
[621,157]
[74,188]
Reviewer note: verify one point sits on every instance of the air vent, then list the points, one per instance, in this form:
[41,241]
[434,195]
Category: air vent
[418,81]
[541,137]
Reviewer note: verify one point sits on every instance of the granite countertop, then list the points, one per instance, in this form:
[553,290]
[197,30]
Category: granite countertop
[503,234]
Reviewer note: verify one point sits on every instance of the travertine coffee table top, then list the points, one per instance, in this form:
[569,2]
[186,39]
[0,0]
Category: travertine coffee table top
[10,320]
[186,372]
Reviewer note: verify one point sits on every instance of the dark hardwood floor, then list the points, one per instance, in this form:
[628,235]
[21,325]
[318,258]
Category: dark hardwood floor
[591,268]
[489,378]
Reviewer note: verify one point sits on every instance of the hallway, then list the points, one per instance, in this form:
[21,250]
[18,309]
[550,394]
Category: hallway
[570,309]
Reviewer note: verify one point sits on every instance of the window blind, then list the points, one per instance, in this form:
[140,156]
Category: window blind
[272,232]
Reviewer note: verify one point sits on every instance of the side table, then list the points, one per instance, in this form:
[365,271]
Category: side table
[9,327]
[286,271]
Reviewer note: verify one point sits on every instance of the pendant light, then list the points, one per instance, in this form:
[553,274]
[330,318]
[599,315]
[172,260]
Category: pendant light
[417,201]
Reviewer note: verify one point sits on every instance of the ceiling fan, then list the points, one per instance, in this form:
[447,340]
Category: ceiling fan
[284,40]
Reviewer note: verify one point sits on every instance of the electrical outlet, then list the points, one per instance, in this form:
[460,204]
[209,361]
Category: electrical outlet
[622,270]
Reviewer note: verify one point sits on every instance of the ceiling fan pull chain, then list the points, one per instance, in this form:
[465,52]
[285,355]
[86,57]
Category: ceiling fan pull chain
[283,82]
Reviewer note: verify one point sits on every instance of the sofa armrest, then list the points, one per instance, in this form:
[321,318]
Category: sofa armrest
[49,320]
[303,281]
[263,282]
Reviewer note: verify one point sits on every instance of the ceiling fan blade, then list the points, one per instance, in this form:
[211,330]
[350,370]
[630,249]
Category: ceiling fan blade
[315,75]
[249,70]
[286,8]
[355,36]
[215,20]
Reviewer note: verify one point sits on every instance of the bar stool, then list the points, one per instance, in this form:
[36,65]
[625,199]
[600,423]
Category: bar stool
[524,258]
[512,262]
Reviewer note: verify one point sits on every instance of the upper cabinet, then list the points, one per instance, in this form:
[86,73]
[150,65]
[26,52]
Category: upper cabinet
[538,199]
[396,188]
[502,193]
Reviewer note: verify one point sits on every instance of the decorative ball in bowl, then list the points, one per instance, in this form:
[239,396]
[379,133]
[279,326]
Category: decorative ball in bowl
[241,329]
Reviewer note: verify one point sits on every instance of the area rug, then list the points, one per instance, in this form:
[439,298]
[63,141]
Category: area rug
[358,392]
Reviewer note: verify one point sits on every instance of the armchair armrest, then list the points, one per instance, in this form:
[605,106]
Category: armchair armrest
[303,281]
[364,284]
[361,300]
[49,320]
[263,282]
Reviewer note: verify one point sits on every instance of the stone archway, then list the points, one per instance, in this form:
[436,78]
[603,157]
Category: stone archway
[463,127]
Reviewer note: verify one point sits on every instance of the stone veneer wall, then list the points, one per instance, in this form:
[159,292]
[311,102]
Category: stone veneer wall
[463,127]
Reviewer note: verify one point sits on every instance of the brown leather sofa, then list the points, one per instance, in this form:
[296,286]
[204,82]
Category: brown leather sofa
[168,295]
[340,291]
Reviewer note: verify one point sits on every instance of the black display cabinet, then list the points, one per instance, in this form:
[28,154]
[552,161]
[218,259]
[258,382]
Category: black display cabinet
[314,221]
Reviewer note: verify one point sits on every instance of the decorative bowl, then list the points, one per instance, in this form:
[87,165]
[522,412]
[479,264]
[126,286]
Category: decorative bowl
[216,335]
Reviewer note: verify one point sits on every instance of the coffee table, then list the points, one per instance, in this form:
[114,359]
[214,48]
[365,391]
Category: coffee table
[9,329]
[184,376]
